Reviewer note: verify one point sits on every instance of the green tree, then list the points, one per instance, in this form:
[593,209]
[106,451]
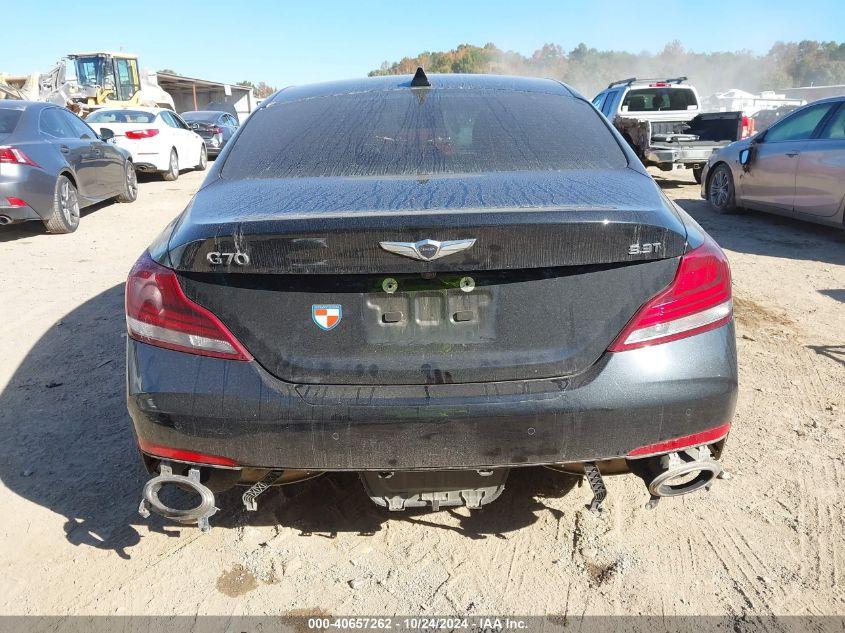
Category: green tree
[787,64]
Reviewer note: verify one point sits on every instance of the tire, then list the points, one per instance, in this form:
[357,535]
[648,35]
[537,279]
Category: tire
[64,218]
[720,190]
[203,158]
[696,174]
[173,171]
[130,183]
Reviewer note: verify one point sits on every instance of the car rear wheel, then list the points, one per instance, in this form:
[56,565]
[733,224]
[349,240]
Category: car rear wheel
[720,190]
[64,217]
[203,158]
[130,182]
[172,172]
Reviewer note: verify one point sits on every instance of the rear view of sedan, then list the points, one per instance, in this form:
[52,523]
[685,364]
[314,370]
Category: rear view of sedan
[796,167]
[215,127]
[157,138]
[52,164]
[413,279]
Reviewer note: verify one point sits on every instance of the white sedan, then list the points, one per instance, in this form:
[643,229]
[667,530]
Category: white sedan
[158,139]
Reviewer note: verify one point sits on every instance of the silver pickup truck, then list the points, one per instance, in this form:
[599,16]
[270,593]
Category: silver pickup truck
[662,120]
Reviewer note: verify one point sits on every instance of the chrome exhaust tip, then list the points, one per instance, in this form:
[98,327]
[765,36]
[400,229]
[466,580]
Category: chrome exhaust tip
[199,514]
[682,472]
[4,220]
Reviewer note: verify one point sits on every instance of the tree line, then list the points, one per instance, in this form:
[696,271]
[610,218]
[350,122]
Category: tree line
[785,65]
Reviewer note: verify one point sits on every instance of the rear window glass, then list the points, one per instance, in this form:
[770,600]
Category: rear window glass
[657,99]
[121,116]
[8,120]
[201,116]
[418,133]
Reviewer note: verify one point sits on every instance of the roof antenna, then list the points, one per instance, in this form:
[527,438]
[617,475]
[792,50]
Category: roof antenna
[420,80]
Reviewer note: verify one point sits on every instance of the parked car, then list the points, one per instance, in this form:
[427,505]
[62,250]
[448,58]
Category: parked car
[662,120]
[52,164]
[765,118]
[158,139]
[796,167]
[215,127]
[416,281]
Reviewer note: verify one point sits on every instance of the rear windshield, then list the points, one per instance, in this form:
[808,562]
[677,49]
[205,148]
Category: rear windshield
[657,99]
[207,117]
[8,120]
[121,116]
[418,133]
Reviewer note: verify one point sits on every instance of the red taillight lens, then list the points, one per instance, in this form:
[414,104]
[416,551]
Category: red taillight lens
[748,127]
[159,313]
[15,156]
[675,444]
[182,455]
[137,134]
[699,299]
[15,202]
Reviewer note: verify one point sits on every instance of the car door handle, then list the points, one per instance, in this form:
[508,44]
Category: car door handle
[64,149]
[793,153]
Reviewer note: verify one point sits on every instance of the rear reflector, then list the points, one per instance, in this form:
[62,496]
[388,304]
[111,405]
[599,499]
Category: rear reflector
[159,313]
[137,134]
[182,455]
[15,156]
[697,300]
[696,439]
[15,202]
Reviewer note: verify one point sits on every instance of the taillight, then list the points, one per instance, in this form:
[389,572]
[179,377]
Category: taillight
[159,313]
[748,127]
[137,134]
[15,202]
[699,299]
[15,156]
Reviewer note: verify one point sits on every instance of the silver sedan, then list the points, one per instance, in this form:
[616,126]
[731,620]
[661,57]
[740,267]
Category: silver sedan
[795,168]
[52,164]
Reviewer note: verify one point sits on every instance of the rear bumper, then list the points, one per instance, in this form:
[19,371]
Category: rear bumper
[680,155]
[213,145]
[30,184]
[16,214]
[627,400]
[148,155]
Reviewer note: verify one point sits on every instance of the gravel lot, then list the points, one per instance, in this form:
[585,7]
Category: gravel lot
[770,540]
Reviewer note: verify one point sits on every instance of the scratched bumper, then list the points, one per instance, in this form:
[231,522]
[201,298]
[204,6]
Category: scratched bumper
[238,410]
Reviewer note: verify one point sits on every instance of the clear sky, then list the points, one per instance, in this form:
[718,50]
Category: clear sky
[286,43]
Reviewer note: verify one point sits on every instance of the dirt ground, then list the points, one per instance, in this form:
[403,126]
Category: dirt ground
[768,541]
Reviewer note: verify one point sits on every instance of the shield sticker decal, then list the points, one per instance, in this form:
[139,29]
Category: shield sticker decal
[327,317]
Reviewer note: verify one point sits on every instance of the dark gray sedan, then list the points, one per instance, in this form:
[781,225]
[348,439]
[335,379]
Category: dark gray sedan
[215,127]
[52,164]
[412,278]
[795,168]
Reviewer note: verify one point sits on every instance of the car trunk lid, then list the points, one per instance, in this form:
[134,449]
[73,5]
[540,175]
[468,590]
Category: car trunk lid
[295,268]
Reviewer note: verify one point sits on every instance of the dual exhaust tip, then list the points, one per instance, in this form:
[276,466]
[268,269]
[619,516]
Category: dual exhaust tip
[668,475]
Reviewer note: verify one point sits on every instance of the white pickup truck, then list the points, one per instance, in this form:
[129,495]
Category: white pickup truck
[662,120]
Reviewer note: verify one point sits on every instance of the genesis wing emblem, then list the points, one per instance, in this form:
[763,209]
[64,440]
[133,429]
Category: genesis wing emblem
[427,250]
